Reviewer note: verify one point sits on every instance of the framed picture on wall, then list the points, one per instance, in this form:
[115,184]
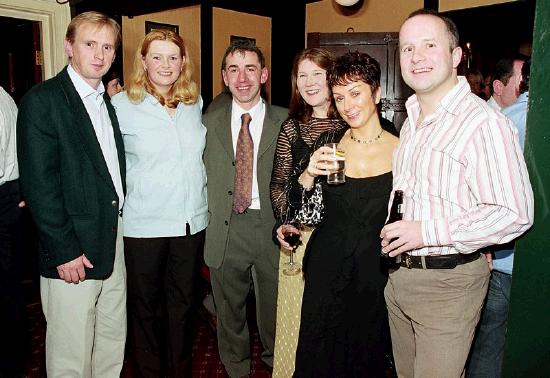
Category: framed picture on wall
[234,38]
[150,26]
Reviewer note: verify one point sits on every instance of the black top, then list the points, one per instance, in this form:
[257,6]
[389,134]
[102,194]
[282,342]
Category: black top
[344,328]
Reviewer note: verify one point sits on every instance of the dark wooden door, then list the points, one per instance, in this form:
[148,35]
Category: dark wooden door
[384,47]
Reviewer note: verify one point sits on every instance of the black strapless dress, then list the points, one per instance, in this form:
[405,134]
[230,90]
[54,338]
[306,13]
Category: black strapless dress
[344,328]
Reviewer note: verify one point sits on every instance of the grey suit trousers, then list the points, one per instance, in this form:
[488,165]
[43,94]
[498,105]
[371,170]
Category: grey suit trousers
[245,266]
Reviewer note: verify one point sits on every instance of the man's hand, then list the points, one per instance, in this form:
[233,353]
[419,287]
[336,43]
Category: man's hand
[73,271]
[407,235]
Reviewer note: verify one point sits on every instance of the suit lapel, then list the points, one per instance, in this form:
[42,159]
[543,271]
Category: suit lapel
[83,125]
[223,130]
[118,140]
[270,130]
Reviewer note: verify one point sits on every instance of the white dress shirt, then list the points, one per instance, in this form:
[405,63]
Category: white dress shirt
[97,110]
[8,151]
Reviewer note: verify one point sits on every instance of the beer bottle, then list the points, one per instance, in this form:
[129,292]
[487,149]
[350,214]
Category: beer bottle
[396,212]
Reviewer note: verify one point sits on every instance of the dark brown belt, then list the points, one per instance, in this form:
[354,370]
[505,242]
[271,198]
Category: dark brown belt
[436,262]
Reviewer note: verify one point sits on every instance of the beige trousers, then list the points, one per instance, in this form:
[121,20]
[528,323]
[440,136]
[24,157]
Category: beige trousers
[86,323]
[433,314]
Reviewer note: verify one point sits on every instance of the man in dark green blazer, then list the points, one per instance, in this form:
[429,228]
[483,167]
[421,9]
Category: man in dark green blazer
[72,170]
[239,249]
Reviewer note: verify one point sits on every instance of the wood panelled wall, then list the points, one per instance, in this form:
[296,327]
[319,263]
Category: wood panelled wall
[226,23]
[188,20]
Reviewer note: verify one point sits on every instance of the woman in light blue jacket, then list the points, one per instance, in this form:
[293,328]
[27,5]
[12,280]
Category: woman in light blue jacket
[165,211]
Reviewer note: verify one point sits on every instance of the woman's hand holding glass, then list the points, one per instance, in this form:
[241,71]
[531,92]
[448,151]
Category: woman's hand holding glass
[289,238]
[324,161]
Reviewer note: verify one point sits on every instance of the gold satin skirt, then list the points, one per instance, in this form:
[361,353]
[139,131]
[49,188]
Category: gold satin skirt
[289,307]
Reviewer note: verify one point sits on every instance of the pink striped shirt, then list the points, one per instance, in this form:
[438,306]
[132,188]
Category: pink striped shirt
[463,175]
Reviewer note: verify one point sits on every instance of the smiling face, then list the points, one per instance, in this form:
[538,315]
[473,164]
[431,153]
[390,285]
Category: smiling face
[163,63]
[92,52]
[244,76]
[356,103]
[311,81]
[427,63]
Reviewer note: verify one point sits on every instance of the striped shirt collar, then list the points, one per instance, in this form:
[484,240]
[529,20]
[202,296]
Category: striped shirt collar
[450,103]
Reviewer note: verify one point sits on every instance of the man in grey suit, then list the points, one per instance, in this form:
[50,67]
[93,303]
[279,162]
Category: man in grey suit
[72,169]
[239,249]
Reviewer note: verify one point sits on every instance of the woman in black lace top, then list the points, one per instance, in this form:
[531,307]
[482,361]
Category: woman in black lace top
[311,113]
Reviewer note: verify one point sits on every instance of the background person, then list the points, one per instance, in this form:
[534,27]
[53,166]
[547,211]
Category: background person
[14,345]
[311,112]
[487,352]
[344,325]
[239,249]
[505,82]
[165,213]
[71,162]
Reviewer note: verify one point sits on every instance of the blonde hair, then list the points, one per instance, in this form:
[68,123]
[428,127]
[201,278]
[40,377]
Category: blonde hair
[183,90]
[94,18]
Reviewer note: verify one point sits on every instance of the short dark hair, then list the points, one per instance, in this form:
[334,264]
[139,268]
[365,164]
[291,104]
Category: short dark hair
[525,76]
[355,66]
[241,46]
[504,69]
[452,30]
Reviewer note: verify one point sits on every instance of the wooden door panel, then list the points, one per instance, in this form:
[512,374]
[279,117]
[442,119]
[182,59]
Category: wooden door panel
[384,47]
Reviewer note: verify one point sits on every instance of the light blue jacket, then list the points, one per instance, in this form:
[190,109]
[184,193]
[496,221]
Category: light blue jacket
[517,112]
[165,174]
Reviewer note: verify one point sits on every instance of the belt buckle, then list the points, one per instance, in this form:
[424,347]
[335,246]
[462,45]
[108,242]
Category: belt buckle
[408,261]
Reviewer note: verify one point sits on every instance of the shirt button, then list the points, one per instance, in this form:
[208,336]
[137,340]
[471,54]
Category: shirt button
[226,223]
[114,203]
[233,163]
[230,193]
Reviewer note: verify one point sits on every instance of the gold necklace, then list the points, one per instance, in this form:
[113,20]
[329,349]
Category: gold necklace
[369,141]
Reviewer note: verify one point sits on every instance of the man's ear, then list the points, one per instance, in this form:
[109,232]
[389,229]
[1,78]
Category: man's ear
[264,76]
[457,56]
[68,48]
[224,77]
[498,87]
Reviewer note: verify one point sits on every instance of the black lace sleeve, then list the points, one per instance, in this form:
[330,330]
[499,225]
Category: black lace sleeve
[282,168]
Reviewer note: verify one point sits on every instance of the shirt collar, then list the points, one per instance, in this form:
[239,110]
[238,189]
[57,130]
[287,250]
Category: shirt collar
[82,87]
[450,103]
[238,111]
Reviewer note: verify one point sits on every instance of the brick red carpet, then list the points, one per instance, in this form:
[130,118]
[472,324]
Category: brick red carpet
[206,362]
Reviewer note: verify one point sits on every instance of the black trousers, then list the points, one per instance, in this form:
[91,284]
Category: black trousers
[161,292]
[13,327]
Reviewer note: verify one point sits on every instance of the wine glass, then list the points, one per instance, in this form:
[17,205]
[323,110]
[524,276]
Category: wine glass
[292,237]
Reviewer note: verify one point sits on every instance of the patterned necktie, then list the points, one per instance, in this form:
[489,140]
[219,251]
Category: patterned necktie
[244,160]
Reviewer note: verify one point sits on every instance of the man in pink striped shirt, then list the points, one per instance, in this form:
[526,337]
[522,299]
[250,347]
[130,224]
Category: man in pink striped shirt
[465,187]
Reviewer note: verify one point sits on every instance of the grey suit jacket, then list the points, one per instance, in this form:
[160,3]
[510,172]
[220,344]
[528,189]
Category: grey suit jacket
[219,160]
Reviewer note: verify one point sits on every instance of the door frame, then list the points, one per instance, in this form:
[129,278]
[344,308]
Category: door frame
[54,19]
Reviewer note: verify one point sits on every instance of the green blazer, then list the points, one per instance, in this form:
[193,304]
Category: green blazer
[219,159]
[65,180]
